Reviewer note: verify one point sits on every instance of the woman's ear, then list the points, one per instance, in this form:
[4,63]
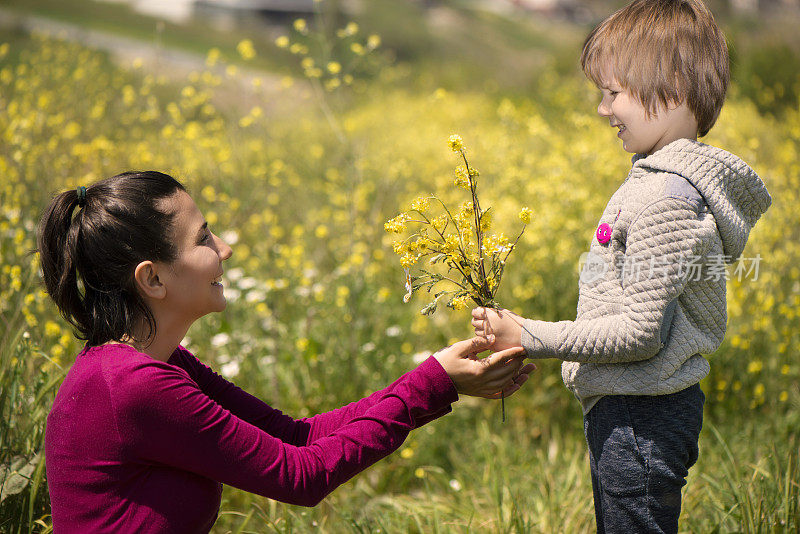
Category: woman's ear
[147,282]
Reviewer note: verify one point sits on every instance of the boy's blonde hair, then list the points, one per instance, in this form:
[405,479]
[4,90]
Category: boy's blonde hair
[663,51]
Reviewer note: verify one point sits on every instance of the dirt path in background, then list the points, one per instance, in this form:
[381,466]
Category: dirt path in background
[174,65]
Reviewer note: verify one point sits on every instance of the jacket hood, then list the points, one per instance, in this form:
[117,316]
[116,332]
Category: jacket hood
[734,193]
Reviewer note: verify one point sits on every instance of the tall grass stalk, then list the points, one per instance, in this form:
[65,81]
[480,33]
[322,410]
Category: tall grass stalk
[25,398]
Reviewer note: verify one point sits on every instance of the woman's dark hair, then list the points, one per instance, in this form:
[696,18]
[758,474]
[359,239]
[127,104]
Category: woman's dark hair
[89,256]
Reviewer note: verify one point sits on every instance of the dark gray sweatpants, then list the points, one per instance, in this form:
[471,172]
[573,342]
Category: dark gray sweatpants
[640,451]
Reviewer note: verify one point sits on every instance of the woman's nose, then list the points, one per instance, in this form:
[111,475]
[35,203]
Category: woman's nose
[223,249]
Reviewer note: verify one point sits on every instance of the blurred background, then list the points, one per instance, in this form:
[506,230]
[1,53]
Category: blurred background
[301,127]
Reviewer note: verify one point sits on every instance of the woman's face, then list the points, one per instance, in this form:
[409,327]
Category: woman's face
[194,280]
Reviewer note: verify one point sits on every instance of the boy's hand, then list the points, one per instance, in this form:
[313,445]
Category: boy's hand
[503,324]
[487,377]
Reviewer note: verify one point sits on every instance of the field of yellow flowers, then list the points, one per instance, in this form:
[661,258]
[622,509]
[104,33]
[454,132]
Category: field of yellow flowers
[316,315]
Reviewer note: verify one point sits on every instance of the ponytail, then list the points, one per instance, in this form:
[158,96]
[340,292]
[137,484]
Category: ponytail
[57,238]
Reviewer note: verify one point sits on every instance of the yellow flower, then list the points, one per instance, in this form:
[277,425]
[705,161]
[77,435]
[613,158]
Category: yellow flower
[71,130]
[373,41]
[465,211]
[450,244]
[51,329]
[525,215]
[455,143]
[461,178]
[246,49]
[486,221]
[213,56]
[459,303]
[332,84]
[321,231]
[208,193]
[357,49]
[300,25]
[396,225]
[334,67]
[407,260]
[420,204]
[282,41]
[489,245]
[755,366]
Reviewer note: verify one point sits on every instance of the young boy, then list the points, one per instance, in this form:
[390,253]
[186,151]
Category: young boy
[651,294]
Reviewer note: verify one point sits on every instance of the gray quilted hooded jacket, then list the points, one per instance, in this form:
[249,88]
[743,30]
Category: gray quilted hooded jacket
[652,288]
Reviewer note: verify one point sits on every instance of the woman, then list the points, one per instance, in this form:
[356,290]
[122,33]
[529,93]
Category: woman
[142,435]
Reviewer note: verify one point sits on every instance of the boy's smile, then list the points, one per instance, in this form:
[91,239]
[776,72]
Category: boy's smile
[640,133]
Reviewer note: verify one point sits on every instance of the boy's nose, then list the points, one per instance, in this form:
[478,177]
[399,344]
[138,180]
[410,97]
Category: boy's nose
[603,109]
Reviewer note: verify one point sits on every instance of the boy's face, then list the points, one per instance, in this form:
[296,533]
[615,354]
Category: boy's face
[640,134]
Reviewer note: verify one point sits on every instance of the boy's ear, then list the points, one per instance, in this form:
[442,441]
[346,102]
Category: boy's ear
[147,282]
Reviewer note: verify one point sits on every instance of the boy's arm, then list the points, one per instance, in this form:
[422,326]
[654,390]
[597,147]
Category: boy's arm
[666,232]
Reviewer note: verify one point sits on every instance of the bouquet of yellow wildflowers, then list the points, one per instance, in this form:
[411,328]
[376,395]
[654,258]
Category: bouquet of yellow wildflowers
[473,260]
[458,240]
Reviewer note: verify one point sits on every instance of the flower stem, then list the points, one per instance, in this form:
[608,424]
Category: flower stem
[485,293]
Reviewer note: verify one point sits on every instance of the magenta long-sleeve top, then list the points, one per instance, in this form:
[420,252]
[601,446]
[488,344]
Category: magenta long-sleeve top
[134,444]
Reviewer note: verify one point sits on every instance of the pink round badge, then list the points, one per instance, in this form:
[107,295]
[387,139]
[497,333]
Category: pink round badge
[603,233]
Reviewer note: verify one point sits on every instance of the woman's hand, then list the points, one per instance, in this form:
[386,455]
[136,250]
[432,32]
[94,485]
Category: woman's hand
[505,326]
[484,377]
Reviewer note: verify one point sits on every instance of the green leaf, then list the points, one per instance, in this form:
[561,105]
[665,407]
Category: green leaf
[16,476]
